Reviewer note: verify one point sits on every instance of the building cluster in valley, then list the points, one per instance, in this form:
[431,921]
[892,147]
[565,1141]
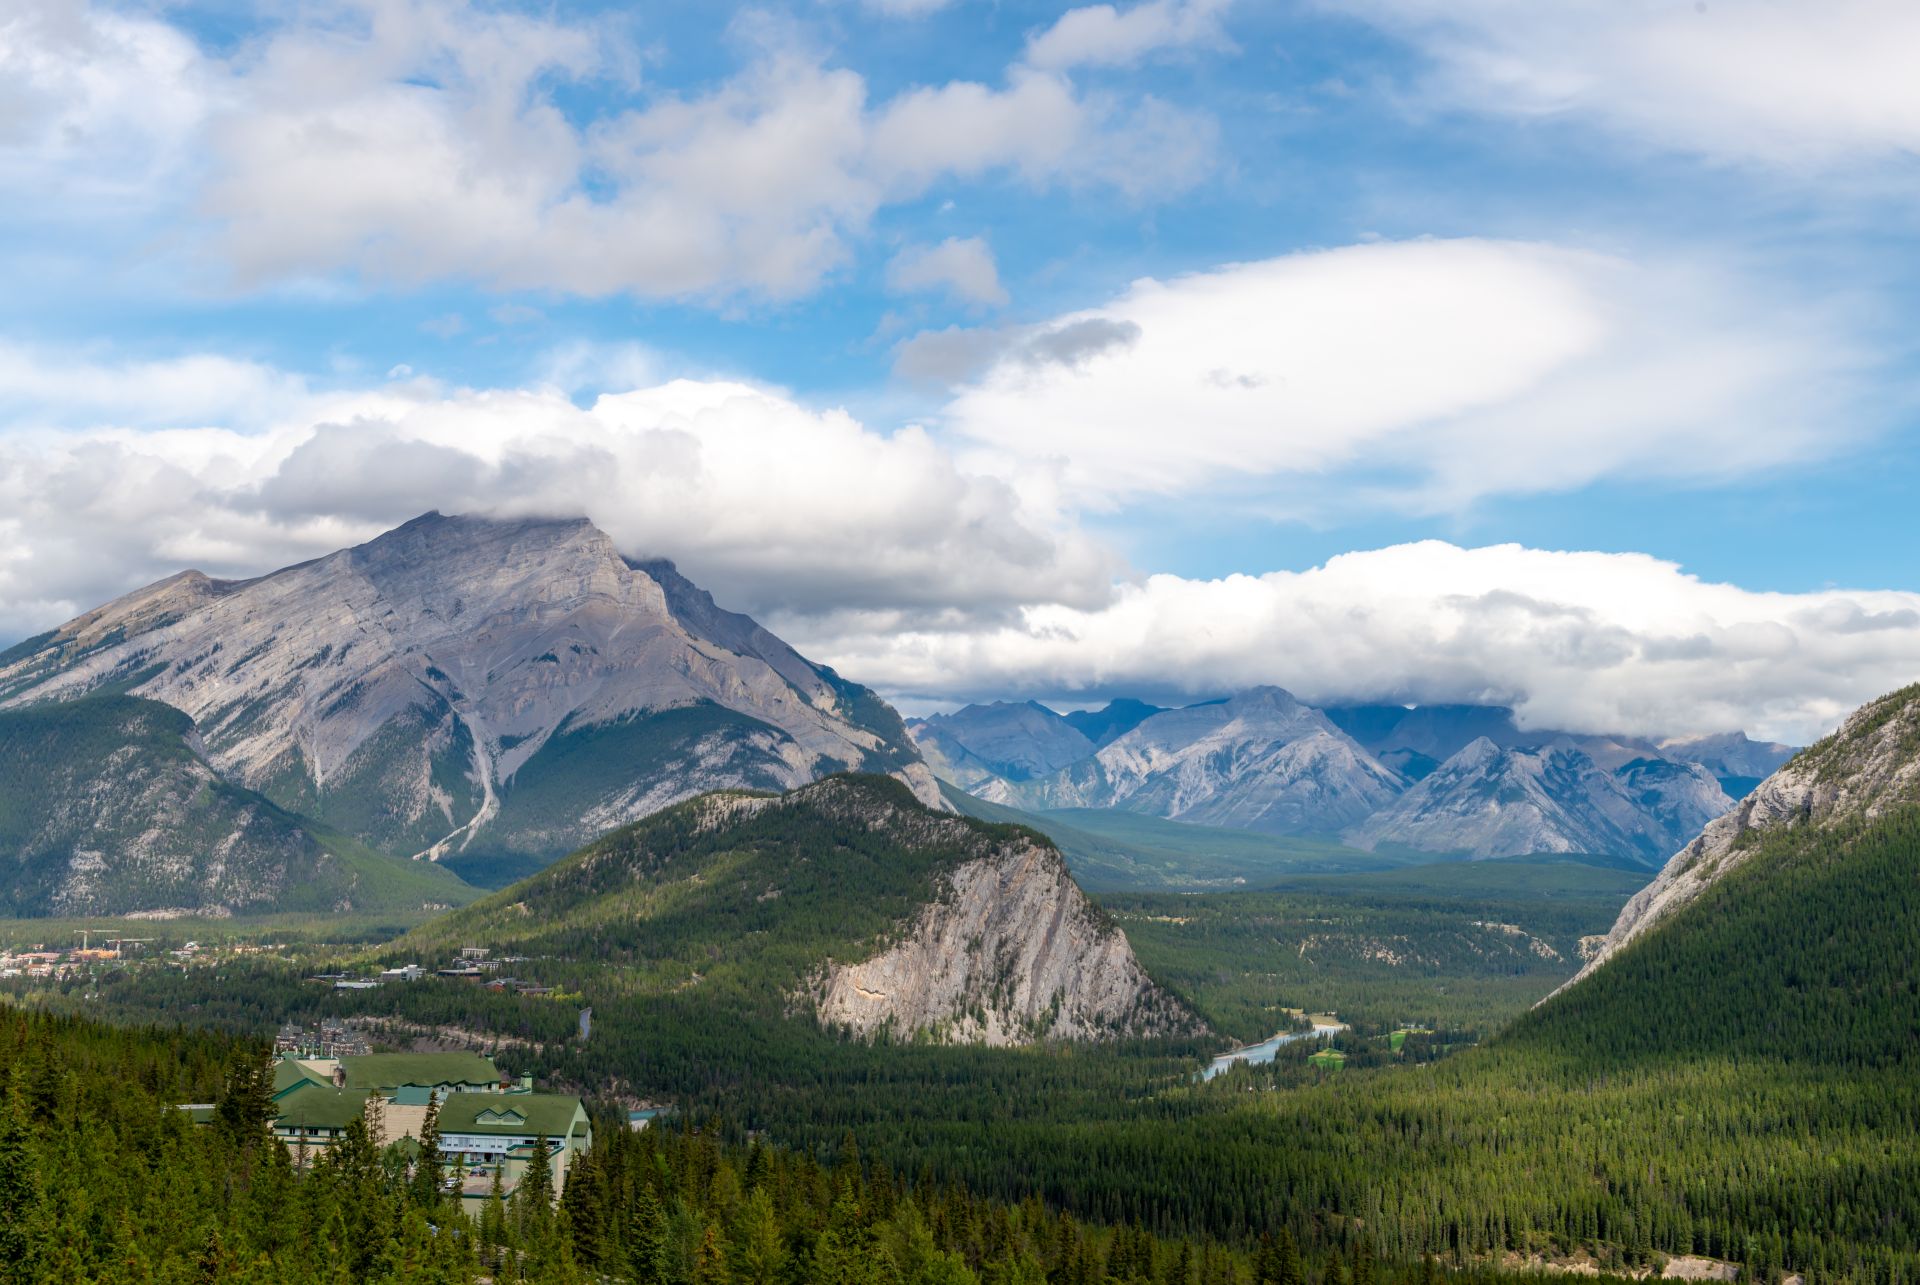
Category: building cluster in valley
[489,1123]
[476,965]
[95,951]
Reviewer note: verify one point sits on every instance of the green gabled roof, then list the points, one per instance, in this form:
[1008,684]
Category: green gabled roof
[320,1108]
[289,1075]
[388,1071]
[512,1114]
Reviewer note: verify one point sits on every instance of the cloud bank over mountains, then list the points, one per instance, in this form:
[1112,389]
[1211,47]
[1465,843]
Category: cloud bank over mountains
[949,561]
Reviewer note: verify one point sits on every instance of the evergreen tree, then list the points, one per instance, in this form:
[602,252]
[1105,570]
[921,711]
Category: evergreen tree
[428,1165]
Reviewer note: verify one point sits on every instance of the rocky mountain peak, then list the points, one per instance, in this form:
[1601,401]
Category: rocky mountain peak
[466,680]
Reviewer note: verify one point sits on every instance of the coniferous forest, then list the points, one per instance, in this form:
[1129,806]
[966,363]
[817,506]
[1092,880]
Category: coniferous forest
[1743,1089]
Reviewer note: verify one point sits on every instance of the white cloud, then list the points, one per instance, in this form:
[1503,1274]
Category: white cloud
[1775,81]
[961,266]
[46,388]
[773,506]
[93,103]
[421,140]
[883,554]
[906,8]
[1608,642]
[1102,36]
[1423,374]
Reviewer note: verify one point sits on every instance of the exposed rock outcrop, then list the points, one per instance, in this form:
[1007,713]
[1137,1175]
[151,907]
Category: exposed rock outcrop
[1871,764]
[1010,952]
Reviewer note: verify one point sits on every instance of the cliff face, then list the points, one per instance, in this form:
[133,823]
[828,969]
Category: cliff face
[1011,952]
[1870,765]
[461,683]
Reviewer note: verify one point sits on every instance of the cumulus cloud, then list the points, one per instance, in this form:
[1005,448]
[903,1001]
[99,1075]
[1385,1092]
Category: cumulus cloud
[1583,641]
[1773,81]
[774,506]
[1421,374]
[421,140]
[961,266]
[94,103]
[1102,36]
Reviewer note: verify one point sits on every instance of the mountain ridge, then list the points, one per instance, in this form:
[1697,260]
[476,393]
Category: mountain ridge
[1866,768]
[847,900]
[481,690]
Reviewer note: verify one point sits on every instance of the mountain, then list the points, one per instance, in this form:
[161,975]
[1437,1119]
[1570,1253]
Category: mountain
[1414,740]
[845,899]
[1259,761]
[1104,726]
[490,691]
[1740,764]
[1853,792]
[1489,801]
[106,808]
[1015,741]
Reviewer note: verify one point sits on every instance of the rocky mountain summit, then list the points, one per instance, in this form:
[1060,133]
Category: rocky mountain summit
[1866,770]
[1016,741]
[472,688]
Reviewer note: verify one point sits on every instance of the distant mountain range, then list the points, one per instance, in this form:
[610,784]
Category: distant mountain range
[1454,779]
[489,694]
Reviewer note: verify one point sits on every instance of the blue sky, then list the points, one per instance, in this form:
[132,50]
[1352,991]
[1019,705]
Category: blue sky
[979,346]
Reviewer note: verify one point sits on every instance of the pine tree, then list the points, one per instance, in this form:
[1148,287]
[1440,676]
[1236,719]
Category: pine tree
[647,1238]
[534,1196]
[1286,1258]
[427,1168]
[19,1191]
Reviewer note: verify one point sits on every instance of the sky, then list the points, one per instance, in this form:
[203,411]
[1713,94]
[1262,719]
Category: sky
[1556,355]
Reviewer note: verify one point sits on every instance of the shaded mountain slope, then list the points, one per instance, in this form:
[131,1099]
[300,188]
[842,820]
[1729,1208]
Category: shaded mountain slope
[105,808]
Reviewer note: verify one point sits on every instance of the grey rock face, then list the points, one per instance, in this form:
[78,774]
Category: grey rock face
[1260,761]
[401,689]
[1489,801]
[1865,768]
[1011,951]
